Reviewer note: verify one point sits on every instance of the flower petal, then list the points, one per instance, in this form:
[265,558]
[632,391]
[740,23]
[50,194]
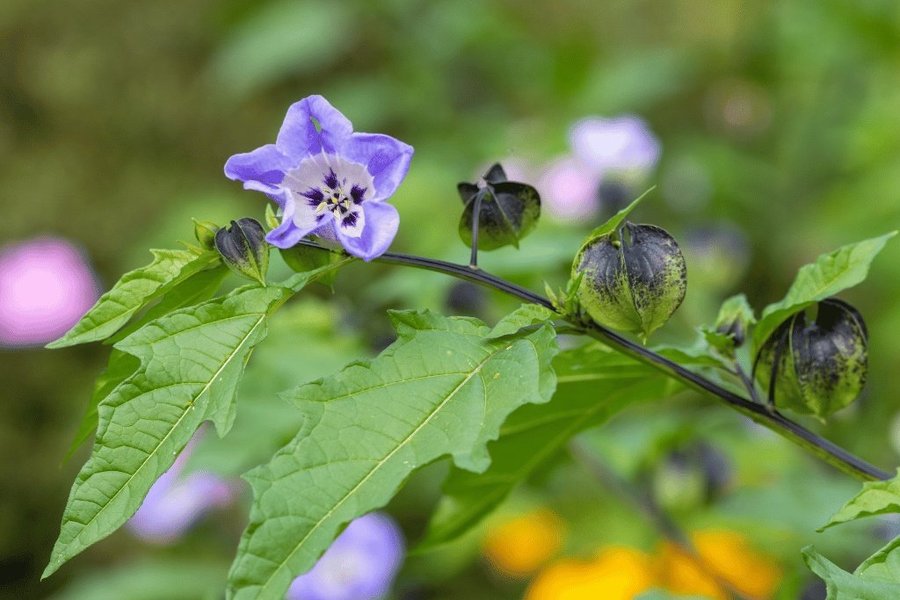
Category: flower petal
[382,221]
[386,158]
[261,170]
[311,126]
[299,220]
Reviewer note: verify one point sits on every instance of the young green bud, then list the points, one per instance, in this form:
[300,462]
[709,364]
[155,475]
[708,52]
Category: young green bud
[633,279]
[734,320]
[244,249]
[816,364]
[205,232]
[507,210]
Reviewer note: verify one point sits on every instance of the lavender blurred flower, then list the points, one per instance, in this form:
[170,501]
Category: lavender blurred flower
[360,564]
[622,143]
[174,502]
[327,180]
[46,285]
[612,152]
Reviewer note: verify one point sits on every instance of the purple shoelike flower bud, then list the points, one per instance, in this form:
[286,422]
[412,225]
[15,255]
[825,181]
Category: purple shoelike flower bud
[327,180]
[360,564]
[175,502]
[46,285]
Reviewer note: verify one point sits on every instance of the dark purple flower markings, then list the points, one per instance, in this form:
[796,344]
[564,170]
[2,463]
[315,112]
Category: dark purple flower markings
[327,180]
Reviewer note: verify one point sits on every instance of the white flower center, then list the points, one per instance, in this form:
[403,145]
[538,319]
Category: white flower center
[327,184]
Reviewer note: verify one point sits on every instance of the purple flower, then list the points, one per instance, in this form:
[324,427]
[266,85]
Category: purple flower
[360,564]
[46,285]
[327,180]
[174,502]
[622,143]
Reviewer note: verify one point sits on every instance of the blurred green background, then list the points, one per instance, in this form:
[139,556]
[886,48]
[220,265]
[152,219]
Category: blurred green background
[779,124]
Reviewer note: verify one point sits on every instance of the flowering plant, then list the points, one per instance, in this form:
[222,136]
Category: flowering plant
[498,401]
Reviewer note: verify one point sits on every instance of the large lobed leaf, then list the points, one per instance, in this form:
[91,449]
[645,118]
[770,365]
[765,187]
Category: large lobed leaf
[876,498]
[190,364]
[443,388]
[133,291]
[877,578]
[593,384]
[830,274]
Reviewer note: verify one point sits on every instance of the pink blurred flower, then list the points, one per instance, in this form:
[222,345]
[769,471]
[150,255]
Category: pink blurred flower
[46,285]
[174,502]
[568,189]
[619,151]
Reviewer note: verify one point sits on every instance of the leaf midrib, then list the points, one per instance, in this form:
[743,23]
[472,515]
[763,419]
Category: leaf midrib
[375,469]
[205,388]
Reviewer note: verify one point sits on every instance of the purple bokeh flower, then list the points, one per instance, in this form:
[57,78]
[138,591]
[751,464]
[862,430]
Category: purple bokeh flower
[46,285]
[175,502]
[621,143]
[327,180]
[360,564]
[619,150]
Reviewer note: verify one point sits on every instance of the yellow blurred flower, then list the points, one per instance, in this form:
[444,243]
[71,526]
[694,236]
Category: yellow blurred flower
[617,573]
[726,558]
[518,547]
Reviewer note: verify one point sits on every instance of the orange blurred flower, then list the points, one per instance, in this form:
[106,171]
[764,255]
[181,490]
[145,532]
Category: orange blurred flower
[726,559]
[617,573]
[520,546]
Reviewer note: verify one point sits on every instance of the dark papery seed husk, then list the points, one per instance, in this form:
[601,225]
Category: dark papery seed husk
[816,365]
[633,283]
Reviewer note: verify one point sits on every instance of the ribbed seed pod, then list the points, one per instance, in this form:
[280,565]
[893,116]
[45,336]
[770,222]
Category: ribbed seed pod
[816,364]
[633,279]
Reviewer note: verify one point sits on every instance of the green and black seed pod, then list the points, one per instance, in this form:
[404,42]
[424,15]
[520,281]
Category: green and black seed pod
[244,249]
[632,279]
[816,363]
[507,210]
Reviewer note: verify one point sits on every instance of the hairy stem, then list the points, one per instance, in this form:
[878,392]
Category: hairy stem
[766,416]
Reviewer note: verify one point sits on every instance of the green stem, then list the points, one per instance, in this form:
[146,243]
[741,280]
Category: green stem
[766,416]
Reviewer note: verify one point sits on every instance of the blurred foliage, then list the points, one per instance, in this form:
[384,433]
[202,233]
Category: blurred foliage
[780,136]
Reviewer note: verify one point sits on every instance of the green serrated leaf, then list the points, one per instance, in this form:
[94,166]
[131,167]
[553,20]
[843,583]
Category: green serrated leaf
[878,578]
[593,384]
[196,289]
[443,388]
[830,274]
[133,291]
[876,498]
[120,366]
[190,363]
